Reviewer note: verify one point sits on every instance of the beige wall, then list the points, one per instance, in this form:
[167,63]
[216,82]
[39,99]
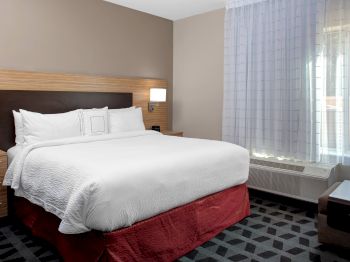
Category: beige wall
[198,75]
[86,37]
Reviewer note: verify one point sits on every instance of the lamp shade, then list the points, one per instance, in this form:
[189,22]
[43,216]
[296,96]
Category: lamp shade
[157,95]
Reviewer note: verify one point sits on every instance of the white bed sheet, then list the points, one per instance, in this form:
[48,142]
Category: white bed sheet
[12,152]
[109,182]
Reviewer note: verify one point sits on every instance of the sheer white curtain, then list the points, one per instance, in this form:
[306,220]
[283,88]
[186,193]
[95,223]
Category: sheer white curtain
[278,80]
[333,86]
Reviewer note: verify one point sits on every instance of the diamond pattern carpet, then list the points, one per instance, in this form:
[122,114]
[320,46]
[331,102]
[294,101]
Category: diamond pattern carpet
[278,229]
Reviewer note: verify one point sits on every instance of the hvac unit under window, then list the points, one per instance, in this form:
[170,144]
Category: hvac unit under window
[301,181]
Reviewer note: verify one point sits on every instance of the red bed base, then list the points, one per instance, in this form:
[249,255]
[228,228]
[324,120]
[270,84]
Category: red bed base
[164,237]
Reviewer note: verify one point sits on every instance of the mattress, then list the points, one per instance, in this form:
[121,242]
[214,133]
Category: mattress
[109,182]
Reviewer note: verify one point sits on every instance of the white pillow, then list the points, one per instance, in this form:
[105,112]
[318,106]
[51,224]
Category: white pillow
[18,127]
[95,121]
[121,109]
[41,127]
[126,120]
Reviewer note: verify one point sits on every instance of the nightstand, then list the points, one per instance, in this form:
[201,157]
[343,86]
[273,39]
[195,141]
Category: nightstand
[3,189]
[172,133]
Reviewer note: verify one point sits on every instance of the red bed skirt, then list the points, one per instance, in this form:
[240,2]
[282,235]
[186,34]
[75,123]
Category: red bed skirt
[164,237]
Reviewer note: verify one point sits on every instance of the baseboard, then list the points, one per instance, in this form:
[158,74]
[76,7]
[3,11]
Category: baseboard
[286,200]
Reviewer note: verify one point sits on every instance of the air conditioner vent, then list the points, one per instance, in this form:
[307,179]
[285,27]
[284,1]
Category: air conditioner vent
[277,165]
[306,182]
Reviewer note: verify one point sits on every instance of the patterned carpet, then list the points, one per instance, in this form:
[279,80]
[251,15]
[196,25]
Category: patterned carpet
[276,231]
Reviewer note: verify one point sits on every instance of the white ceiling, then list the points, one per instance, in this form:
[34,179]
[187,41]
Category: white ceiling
[172,9]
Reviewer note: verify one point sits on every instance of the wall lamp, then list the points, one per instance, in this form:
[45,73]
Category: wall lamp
[156,95]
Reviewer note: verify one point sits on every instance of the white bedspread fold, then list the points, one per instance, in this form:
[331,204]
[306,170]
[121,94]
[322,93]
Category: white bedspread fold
[112,181]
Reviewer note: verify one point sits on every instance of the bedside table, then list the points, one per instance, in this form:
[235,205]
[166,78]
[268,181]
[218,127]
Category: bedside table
[172,133]
[3,189]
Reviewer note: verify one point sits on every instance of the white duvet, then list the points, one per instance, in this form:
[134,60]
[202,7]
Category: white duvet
[109,182]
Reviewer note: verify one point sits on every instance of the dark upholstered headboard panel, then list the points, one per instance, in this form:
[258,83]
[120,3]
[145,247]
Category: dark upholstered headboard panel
[50,102]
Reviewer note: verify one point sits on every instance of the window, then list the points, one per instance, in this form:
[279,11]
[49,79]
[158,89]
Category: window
[287,84]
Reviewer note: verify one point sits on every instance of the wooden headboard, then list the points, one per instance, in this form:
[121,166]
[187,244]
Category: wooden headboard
[51,102]
[56,88]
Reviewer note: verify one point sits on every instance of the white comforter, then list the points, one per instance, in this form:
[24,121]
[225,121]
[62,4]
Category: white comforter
[110,182]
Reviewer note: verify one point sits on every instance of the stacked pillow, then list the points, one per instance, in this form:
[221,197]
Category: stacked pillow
[35,127]
[127,119]
[95,121]
[31,127]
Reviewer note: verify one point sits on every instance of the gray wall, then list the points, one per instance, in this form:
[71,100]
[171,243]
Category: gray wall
[199,75]
[86,37]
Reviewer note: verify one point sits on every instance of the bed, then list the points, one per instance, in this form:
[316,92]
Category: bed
[170,194]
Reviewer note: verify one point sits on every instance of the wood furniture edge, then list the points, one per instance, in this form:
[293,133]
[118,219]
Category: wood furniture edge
[3,189]
[172,133]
